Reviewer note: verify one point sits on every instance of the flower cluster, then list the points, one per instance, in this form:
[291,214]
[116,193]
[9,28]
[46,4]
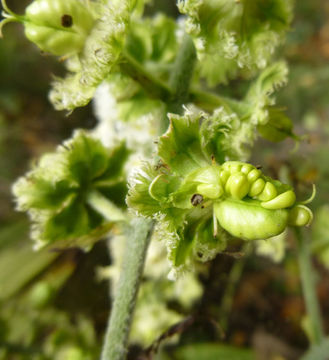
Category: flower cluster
[67,194]
[198,202]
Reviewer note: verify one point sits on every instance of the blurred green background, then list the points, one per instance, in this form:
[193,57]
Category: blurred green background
[51,304]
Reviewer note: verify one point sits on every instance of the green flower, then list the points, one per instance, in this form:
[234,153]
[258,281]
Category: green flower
[232,34]
[198,202]
[71,192]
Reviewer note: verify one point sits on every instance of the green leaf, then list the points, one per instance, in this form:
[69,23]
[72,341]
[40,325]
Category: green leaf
[18,264]
[180,147]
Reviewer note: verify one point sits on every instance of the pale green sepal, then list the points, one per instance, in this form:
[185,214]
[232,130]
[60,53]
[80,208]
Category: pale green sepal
[170,228]
[139,198]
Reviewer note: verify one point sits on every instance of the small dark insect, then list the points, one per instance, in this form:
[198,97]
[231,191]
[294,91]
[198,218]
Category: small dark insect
[196,199]
[258,167]
[67,20]
[160,165]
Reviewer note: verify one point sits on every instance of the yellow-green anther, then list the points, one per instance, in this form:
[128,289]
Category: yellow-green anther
[223,176]
[300,215]
[282,201]
[235,167]
[257,187]
[237,185]
[246,168]
[269,192]
[253,175]
[210,191]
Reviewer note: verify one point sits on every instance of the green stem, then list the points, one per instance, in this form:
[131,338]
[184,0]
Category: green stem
[139,233]
[154,87]
[105,207]
[232,282]
[116,337]
[309,286]
[181,76]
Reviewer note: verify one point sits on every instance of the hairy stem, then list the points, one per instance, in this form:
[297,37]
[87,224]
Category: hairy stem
[105,207]
[139,232]
[309,287]
[116,338]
